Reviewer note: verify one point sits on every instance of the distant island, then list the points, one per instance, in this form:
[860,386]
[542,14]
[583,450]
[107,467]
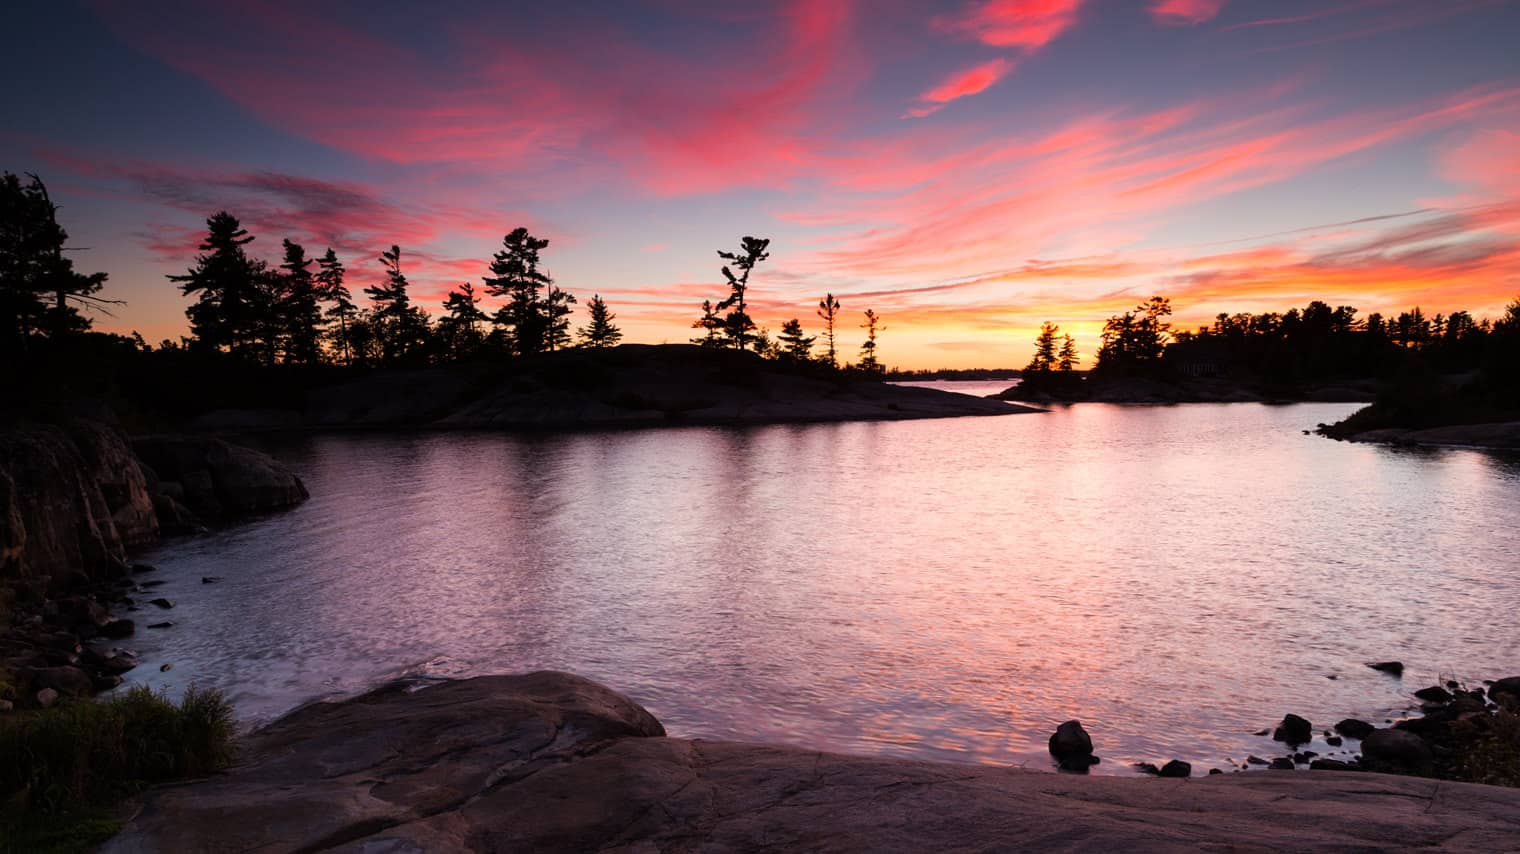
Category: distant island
[1446,379]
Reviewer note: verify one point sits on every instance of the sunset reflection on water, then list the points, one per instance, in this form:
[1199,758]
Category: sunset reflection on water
[1177,578]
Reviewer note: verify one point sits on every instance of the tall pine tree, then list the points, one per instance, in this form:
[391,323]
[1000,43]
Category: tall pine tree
[599,332]
[225,284]
[515,275]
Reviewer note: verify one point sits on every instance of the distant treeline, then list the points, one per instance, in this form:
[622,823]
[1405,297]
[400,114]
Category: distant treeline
[300,310]
[954,374]
[1456,362]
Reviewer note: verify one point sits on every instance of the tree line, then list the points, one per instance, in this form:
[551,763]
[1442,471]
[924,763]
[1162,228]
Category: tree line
[1315,343]
[301,311]
[727,323]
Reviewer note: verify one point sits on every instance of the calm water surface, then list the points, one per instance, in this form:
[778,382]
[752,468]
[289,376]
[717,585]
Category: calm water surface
[1178,578]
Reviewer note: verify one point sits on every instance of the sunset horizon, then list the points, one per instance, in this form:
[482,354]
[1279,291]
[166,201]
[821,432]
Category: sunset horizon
[965,170]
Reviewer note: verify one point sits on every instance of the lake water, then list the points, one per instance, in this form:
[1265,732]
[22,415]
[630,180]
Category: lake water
[1177,578]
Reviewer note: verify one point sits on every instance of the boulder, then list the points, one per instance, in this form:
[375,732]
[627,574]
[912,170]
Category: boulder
[1070,740]
[1506,692]
[1433,694]
[118,627]
[1353,728]
[1176,768]
[1282,763]
[1329,765]
[217,481]
[66,680]
[46,698]
[1392,668]
[1294,730]
[1396,750]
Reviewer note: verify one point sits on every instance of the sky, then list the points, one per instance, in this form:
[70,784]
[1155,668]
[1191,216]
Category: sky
[966,169]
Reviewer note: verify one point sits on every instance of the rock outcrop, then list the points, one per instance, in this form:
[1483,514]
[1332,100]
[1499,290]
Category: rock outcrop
[73,500]
[550,761]
[218,481]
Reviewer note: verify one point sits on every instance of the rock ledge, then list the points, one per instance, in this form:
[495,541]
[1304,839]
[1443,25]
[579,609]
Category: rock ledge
[552,761]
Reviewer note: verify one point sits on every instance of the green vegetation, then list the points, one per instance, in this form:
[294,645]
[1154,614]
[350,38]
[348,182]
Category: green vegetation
[62,769]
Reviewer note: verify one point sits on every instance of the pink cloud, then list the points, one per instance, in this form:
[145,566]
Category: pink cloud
[1182,12]
[726,114]
[962,84]
[1026,24]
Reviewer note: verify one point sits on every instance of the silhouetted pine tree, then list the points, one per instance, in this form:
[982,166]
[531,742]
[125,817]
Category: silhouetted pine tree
[868,360]
[737,324]
[226,285]
[828,309]
[600,332]
[515,275]
[399,327]
[710,323]
[557,317]
[300,313]
[330,289]
[1044,348]
[39,289]
[1067,359]
[795,347]
[460,327]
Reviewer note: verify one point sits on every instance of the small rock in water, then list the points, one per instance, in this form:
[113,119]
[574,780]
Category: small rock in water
[1332,676]
[164,625]
[1147,768]
[1392,668]
[1304,757]
[1213,771]
[1263,732]
[161,602]
[1255,760]
[1294,730]
[210,579]
[144,567]
[1353,728]
[165,667]
[1333,740]
[1434,694]
[157,582]
[1329,765]
[1177,768]
[1070,739]
[118,628]
[1282,763]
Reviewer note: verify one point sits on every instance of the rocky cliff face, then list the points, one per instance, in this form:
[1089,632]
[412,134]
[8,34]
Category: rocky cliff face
[76,495]
[73,500]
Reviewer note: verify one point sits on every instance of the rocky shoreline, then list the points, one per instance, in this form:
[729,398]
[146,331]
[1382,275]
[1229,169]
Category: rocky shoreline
[554,761]
[1502,436]
[77,498]
[1055,387]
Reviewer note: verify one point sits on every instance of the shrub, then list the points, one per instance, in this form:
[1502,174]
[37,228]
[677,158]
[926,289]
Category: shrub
[91,753]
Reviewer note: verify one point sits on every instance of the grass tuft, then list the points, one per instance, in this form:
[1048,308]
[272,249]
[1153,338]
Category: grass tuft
[61,768]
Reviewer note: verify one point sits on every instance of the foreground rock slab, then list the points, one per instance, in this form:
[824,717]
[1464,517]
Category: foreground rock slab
[551,761]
